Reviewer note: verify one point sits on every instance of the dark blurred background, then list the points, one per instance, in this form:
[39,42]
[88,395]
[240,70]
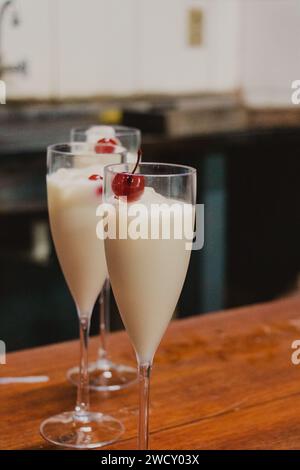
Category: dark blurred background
[209,83]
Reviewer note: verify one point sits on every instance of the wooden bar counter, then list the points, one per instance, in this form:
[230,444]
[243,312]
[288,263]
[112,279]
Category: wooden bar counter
[220,381]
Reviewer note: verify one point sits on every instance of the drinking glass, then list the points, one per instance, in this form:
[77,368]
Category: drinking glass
[104,374]
[74,187]
[150,219]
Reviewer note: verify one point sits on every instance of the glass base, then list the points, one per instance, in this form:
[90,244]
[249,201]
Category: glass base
[105,376]
[86,432]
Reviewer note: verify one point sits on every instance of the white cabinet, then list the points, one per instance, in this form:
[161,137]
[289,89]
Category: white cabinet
[31,41]
[270,54]
[86,48]
[97,47]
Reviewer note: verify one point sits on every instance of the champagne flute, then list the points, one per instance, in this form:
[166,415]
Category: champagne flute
[154,206]
[74,187]
[104,373]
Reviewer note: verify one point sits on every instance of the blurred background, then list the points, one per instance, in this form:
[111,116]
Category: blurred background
[209,82]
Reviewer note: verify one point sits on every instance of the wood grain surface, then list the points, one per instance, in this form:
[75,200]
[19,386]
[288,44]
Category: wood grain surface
[220,381]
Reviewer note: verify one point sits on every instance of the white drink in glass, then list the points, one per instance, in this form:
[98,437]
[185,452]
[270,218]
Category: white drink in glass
[75,190]
[72,203]
[148,244]
[106,374]
[155,273]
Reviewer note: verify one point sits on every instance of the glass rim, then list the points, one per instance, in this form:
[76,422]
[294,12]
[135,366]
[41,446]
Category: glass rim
[189,170]
[58,149]
[121,130]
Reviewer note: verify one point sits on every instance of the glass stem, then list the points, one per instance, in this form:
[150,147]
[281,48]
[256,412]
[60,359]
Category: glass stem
[83,401]
[144,386]
[104,319]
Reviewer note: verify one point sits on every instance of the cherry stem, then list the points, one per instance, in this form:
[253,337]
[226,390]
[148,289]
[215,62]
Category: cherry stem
[138,161]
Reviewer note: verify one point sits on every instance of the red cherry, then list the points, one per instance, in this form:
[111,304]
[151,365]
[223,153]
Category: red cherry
[105,145]
[128,185]
[99,190]
[95,177]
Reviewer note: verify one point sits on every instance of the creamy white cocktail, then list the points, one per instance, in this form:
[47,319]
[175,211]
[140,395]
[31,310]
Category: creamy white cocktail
[148,231]
[147,274]
[72,202]
[75,190]
[105,373]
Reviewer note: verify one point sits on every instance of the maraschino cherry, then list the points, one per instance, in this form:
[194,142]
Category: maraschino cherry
[99,190]
[105,145]
[128,184]
[95,177]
